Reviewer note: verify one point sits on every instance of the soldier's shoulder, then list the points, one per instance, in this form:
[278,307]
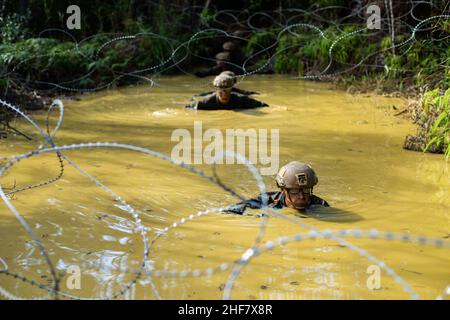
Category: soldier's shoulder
[199,102]
[318,201]
[236,93]
[243,91]
[249,101]
[241,97]
[207,99]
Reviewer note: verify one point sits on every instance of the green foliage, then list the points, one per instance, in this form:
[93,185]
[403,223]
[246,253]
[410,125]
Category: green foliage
[422,61]
[439,134]
[36,56]
[51,60]
[288,57]
[315,47]
[295,51]
[12,28]
[206,17]
[259,41]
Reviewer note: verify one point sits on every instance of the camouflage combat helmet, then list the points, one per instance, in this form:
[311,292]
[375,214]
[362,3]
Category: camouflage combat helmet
[223,56]
[229,46]
[230,74]
[240,33]
[223,81]
[296,175]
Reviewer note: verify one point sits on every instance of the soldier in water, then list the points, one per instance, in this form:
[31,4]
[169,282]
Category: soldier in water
[233,89]
[224,98]
[296,181]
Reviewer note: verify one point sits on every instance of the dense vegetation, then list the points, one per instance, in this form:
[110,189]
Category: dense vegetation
[36,53]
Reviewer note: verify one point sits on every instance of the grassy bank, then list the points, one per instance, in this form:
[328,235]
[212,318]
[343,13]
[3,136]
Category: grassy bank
[432,115]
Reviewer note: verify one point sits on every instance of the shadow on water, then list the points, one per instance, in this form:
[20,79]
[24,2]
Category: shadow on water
[330,214]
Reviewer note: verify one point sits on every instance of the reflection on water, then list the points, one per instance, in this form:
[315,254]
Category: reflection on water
[353,142]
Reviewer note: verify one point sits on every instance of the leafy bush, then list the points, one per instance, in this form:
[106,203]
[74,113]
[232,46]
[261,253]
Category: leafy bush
[12,28]
[51,60]
[438,104]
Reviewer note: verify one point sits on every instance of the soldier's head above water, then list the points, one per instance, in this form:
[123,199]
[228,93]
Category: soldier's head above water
[223,84]
[296,180]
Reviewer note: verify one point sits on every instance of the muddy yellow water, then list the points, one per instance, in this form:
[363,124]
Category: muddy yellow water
[354,142]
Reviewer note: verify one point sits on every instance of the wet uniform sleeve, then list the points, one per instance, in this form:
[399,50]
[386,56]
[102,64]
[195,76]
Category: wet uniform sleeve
[254,203]
[248,103]
[206,103]
[192,104]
